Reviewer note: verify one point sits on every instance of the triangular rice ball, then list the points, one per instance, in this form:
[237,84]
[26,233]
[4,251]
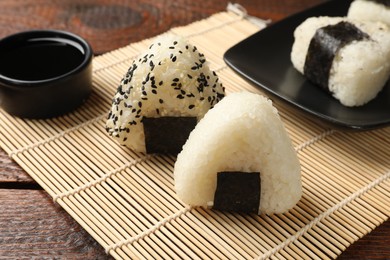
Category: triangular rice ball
[241,134]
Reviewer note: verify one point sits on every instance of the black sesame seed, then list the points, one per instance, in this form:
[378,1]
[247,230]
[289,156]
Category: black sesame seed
[140,104]
[180,96]
[175,42]
[154,91]
[174,59]
[189,76]
[160,83]
[191,106]
[124,139]
[176,80]
[157,111]
[161,101]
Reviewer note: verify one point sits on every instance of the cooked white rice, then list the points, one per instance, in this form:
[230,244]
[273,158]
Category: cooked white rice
[243,133]
[369,10]
[172,78]
[360,69]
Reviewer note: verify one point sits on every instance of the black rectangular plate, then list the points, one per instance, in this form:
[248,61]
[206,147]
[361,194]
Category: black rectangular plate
[264,60]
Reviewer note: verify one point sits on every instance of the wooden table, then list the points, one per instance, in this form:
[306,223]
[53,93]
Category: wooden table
[31,225]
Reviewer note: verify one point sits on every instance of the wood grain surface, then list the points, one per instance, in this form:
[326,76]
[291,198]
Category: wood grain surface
[110,24]
[31,225]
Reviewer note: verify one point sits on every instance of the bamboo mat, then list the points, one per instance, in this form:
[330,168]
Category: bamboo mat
[126,200]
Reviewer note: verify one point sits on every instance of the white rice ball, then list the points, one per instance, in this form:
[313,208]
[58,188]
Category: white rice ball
[360,69]
[172,78]
[369,10]
[242,133]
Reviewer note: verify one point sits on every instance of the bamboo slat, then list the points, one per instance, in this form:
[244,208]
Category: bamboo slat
[127,202]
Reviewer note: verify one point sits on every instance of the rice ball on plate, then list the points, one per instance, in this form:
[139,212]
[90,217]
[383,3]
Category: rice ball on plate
[162,96]
[348,58]
[239,158]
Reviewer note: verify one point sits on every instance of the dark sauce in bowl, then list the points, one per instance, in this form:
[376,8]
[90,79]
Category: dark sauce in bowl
[40,59]
[44,73]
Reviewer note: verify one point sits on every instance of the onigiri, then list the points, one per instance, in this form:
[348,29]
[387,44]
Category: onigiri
[162,96]
[240,158]
[350,59]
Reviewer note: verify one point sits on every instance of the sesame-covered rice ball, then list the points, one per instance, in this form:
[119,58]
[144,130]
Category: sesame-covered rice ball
[171,79]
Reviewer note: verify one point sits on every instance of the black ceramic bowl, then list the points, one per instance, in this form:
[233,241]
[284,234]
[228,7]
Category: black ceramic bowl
[44,73]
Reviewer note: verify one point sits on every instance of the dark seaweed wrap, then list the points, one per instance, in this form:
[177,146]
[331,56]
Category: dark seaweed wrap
[238,192]
[324,45]
[167,135]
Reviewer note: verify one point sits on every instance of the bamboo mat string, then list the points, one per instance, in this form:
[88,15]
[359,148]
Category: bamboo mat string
[323,215]
[314,139]
[56,136]
[242,12]
[151,230]
[102,178]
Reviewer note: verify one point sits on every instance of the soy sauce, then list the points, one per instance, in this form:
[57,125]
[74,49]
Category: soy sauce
[40,59]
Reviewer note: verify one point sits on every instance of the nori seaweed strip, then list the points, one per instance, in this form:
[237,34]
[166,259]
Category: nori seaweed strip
[324,45]
[237,192]
[383,2]
[167,135]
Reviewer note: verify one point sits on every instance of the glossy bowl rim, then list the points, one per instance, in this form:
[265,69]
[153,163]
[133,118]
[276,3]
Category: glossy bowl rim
[31,34]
